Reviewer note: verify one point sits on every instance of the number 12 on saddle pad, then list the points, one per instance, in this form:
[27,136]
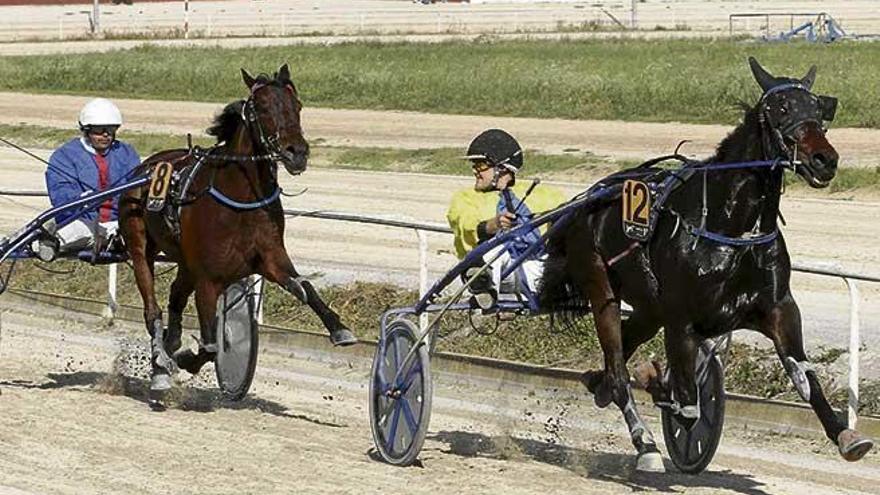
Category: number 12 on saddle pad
[636,210]
[159,186]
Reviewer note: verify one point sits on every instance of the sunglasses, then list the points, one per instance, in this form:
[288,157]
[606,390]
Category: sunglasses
[480,167]
[102,129]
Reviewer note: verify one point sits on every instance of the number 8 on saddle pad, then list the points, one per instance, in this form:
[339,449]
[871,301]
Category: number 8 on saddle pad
[159,186]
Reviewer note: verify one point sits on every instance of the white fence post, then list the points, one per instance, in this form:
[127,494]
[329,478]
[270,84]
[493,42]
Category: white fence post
[854,344]
[96,18]
[185,19]
[423,273]
[110,310]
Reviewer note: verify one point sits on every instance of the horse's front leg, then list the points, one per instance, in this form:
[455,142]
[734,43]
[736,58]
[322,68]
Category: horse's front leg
[783,326]
[142,254]
[207,293]
[280,270]
[614,383]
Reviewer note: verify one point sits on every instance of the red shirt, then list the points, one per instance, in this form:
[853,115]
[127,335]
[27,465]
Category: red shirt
[103,181]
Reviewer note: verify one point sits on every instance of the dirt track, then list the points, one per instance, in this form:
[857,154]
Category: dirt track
[74,422]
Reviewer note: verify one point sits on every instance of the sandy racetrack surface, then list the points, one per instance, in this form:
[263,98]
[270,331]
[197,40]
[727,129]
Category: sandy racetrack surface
[75,421]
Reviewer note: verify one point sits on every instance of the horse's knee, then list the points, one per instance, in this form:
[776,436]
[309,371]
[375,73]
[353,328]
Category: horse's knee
[798,373]
[297,287]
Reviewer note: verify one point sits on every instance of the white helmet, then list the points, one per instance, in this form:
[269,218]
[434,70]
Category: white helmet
[100,111]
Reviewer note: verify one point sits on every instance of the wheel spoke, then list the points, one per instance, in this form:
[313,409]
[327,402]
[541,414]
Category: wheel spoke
[410,376]
[409,417]
[392,431]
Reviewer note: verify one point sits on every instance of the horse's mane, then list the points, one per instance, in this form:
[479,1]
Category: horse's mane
[227,121]
[741,139]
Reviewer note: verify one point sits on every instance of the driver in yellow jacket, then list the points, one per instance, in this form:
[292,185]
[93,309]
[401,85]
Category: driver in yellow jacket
[476,215]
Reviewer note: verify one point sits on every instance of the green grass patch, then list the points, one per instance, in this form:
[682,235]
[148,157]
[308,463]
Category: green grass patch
[430,161]
[639,80]
[749,370]
[30,136]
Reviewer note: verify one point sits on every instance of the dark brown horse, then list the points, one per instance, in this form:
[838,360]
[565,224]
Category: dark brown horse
[231,224]
[715,262]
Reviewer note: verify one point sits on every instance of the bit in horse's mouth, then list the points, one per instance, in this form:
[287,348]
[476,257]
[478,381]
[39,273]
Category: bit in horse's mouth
[812,179]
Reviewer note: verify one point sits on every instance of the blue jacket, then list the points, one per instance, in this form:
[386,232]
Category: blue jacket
[73,171]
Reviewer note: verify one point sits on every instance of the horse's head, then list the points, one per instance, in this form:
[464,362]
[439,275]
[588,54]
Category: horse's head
[793,120]
[272,112]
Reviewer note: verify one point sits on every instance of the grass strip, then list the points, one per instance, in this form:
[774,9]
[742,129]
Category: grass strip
[574,166]
[697,81]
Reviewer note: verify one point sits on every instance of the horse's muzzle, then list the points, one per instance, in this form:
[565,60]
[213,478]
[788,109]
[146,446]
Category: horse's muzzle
[818,159]
[295,159]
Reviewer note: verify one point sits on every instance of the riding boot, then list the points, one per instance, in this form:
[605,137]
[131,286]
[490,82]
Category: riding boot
[46,246]
[484,293]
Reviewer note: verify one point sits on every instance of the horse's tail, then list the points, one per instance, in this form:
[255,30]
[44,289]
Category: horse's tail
[558,294]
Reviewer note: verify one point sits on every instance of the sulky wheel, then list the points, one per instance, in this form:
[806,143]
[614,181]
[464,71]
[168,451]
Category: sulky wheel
[237,340]
[691,449]
[400,409]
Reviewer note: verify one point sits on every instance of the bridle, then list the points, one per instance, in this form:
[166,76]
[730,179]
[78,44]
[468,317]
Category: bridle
[774,134]
[268,146]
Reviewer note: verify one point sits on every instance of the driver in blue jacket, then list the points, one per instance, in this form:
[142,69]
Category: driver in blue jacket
[92,162]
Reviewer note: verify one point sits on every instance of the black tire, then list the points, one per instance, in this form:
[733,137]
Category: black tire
[399,417]
[237,340]
[691,450]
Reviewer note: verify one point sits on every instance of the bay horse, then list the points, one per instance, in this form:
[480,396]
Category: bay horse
[230,222]
[716,262]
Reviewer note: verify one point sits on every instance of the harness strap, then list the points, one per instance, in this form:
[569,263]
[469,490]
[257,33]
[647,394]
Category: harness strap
[236,205]
[735,241]
[626,252]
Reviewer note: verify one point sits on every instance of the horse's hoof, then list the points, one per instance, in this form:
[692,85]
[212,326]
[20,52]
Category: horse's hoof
[645,375]
[187,360]
[156,404]
[595,383]
[852,445]
[342,337]
[650,462]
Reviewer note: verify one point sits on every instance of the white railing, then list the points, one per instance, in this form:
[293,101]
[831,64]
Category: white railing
[421,229]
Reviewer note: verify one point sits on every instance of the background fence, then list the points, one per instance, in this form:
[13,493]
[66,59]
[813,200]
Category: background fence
[300,17]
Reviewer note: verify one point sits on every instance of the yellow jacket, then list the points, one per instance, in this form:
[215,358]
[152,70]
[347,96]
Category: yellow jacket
[468,208]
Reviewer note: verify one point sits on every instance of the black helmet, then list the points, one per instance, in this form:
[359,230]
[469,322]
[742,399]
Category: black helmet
[498,148]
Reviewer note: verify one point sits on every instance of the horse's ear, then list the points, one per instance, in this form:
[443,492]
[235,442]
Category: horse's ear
[284,73]
[810,78]
[249,80]
[765,80]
